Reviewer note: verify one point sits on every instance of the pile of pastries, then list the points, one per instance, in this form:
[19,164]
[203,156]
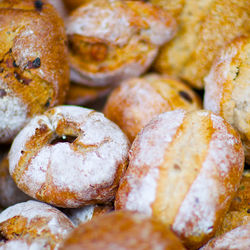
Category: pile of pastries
[124,124]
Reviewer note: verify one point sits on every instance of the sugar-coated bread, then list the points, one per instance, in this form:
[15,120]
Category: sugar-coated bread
[122,230]
[9,193]
[184,169]
[87,213]
[137,100]
[205,27]
[69,157]
[227,90]
[34,70]
[112,40]
[33,223]
[237,239]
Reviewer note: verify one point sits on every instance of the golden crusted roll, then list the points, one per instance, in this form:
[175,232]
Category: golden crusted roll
[114,40]
[184,169]
[232,240]
[137,100]
[9,193]
[69,157]
[33,223]
[227,90]
[205,27]
[34,70]
[122,230]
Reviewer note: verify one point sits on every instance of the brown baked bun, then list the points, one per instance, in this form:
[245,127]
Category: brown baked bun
[184,169]
[87,213]
[122,230]
[9,193]
[34,70]
[137,100]
[69,157]
[232,240]
[205,27]
[34,223]
[227,91]
[112,40]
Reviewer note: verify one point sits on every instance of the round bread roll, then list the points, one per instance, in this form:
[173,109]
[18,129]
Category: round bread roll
[84,214]
[112,40]
[34,222]
[69,157]
[227,91]
[34,70]
[233,240]
[205,27]
[136,101]
[9,193]
[184,169]
[122,230]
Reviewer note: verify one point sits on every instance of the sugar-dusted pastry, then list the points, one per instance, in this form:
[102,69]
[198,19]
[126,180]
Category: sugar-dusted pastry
[122,230]
[137,100]
[69,157]
[184,169]
[227,91]
[34,70]
[112,40]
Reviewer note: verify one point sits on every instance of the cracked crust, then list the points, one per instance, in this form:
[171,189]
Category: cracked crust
[69,157]
[34,71]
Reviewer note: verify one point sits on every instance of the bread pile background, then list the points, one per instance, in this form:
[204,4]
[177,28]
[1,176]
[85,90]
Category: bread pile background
[124,124]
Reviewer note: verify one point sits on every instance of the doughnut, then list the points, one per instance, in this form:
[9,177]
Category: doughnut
[122,230]
[184,169]
[235,239]
[34,69]
[205,27]
[37,223]
[113,40]
[69,157]
[9,193]
[84,214]
[227,88]
[137,100]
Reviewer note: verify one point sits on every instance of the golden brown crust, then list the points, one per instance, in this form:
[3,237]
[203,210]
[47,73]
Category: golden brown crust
[136,101]
[73,4]
[122,230]
[34,63]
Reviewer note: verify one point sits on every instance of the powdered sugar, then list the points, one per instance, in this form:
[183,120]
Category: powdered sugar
[23,245]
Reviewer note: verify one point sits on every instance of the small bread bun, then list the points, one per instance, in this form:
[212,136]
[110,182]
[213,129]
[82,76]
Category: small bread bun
[84,214]
[122,230]
[227,91]
[233,240]
[34,70]
[112,40]
[69,157]
[9,193]
[136,101]
[36,223]
[184,169]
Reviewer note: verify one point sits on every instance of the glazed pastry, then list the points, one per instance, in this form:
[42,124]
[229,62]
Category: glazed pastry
[233,240]
[69,157]
[184,169]
[9,193]
[34,222]
[34,70]
[227,91]
[122,230]
[84,214]
[205,27]
[114,40]
[136,101]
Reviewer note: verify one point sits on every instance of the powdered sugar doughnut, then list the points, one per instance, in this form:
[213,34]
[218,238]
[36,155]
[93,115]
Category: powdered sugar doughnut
[35,222]
[184,169]
[112,40]
[69,157]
